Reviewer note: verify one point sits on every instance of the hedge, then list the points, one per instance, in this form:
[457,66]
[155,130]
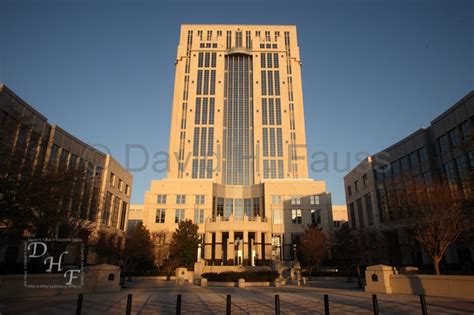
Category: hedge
[249,276]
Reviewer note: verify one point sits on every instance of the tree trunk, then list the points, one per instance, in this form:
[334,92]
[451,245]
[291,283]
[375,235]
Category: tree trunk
[436,260]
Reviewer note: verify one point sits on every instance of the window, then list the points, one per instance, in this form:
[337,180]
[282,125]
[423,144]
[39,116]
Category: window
[200,199]
[160,216]
[454,137]
[349,190]
[179,215]
[229,205]
[423,154]
[450,170]
[198,216]
[395,167]
[180,199]
[413,158]
[276,199]
[296,216]
[120,185]
[368,205]
[360,212]
[127,190]
[276,216]
[296,200]
[404,163]
[465,131]
[315,216]
[112,179]
[443,144]
[356,185]
[314,200]
[161,199]
[352,215]
[364,180]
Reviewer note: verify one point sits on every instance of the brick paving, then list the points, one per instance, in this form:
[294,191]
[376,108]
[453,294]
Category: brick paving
[159,297]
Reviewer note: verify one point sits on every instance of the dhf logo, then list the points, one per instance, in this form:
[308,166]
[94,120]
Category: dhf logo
[38,249]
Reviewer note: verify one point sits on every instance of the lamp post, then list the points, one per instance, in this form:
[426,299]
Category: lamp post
[294,251]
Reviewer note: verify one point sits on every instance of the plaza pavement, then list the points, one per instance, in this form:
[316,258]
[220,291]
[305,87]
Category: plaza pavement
[159,297]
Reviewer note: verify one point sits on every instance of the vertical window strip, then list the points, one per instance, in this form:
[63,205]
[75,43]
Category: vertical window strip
[202,168]
[273,169]
[204,111]
[213,82]
[229,39]
[262,60]
[210,141]
[270,82]
[264,111]
[203,141]
[271,111]
[197,114]
[264,82]
[272,141]
[207,60]
[278,111]
[265,141]
[199,82]
[209,169]
[211,111]
[276,63]
[213,60]
[265,169]
[195,169]
[200,59]
[277,82]
[281,173]
[279,142]
[196,142]
[206,82]
[269,60]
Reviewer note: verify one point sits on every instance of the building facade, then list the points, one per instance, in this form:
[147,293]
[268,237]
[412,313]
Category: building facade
[441,151]
[237,152]
[107,185]
[339,216]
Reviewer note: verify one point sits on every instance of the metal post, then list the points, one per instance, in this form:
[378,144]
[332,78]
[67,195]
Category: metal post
[424,310]
[79,304]
[178,305]
[129,305]
[375,304]
[326,304]
[277,304]
[229,305]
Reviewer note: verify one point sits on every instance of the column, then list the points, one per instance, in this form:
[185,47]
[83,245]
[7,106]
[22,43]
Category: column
[245,250]
[218,248]
[208,246]
[258,245]
[268,245]
[230,248]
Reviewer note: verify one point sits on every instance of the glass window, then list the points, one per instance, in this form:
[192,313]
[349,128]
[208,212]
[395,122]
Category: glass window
[423,154]
[296,216]
[160,216]
[161,199]
[180,199]
[296,200]
[465,131]
[356,185]
[314,200]
[413,158]
[454,137]
[229,207]
[198,216]
[200,199]
[315,216]
[276,199]
[349,190]
[276,216]
[238,209]
[443,144]
[404,163]
[112,179]
[179,216]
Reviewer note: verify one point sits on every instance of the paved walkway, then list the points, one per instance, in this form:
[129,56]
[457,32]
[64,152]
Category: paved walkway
[159,297]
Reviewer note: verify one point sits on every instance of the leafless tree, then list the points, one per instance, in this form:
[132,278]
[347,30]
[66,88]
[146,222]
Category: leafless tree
[438,214]
[313,247]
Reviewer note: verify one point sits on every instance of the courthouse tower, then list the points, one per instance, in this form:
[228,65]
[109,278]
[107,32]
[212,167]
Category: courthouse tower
[237,153]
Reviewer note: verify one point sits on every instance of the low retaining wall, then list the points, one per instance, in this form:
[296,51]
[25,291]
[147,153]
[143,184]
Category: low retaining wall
[220,269]
[236,284]
[385,279]
[100,278]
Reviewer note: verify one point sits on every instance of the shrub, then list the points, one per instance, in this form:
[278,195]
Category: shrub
[249,276]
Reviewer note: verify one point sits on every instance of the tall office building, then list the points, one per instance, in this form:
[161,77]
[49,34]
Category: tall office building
[237,152]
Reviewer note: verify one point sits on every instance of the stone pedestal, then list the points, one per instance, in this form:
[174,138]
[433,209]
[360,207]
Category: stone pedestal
[198,269]
[241,283]
[378,278]
[107,277]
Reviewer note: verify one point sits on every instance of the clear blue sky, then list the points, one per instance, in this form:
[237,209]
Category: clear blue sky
[373,71]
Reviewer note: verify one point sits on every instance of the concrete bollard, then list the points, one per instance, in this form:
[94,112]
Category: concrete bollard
[203,282]
[304,280]
[278,283]
[241,283]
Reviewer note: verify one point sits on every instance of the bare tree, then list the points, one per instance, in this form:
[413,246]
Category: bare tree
[438,214]
[313,247]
